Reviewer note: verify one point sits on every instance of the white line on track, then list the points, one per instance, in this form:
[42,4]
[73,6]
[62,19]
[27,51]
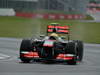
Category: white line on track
[3,56]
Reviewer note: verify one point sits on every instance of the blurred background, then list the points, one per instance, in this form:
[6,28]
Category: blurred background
[68,6]
[29,18]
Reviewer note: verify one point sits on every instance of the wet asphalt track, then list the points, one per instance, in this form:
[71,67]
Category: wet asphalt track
[11,65]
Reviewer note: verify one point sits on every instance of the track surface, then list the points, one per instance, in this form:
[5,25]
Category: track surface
[11,65]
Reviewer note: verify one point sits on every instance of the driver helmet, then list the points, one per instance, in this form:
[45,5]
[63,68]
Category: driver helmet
[53,36]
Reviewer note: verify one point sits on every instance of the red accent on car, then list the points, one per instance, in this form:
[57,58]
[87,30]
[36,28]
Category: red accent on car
[31,55]
[68,58]
[48,45]
[64,57]
[50,30]
[50,26]
[60,27]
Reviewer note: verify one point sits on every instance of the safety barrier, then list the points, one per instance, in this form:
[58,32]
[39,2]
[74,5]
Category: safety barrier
[51,16]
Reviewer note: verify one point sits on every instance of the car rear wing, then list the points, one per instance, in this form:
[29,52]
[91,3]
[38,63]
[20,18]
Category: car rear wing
[58,29]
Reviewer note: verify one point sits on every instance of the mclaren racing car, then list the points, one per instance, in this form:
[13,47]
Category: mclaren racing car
[52,47]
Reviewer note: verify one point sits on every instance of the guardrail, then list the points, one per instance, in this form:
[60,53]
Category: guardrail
[51,16]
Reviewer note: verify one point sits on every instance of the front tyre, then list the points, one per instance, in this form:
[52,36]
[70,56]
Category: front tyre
[71,62]
[25,46]
[71,49]
[79,50]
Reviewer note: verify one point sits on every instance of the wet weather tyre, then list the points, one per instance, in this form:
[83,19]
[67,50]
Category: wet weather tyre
[25,46]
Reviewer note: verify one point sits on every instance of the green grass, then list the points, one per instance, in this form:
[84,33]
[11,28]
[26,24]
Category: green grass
[23,28]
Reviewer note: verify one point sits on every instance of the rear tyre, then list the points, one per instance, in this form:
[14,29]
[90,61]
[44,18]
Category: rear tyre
[25,46]
[71,49]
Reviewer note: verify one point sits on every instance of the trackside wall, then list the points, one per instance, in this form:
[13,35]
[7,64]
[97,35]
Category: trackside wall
[51,16]
[7,12]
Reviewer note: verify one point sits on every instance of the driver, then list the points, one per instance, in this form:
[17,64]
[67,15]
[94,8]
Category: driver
[53,36]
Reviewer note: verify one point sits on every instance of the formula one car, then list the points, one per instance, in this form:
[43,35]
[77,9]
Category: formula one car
[52,47]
